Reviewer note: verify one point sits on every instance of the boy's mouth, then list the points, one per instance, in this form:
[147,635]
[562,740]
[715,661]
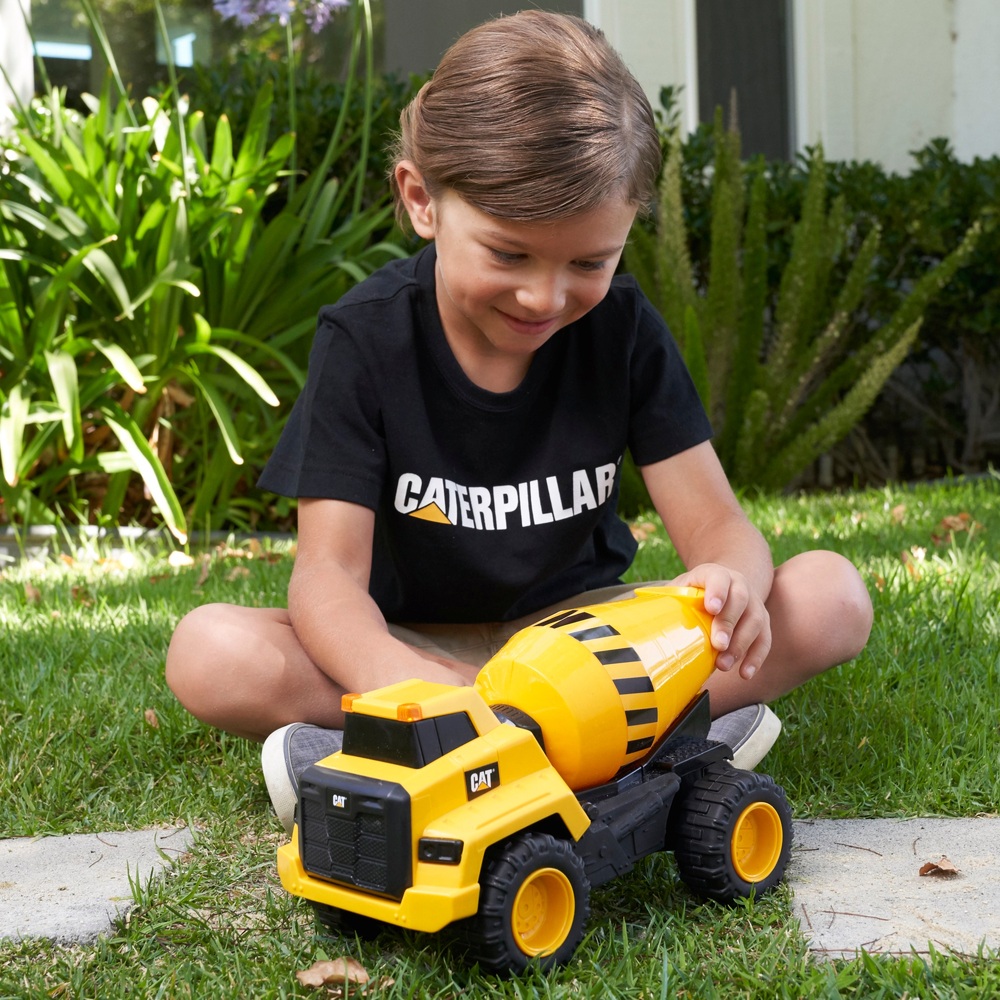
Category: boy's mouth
[529,326]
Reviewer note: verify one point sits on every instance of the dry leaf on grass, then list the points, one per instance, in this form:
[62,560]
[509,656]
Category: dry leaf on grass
[939,869]
[339,970]
[32,594]
[151,719]
[951,525]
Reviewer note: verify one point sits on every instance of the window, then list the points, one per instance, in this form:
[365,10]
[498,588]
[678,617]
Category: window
[743,50]
[411,744]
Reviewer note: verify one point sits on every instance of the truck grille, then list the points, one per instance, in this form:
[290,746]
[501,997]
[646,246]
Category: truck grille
[355,831]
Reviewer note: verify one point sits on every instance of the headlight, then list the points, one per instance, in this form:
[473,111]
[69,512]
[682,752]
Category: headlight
[439,851]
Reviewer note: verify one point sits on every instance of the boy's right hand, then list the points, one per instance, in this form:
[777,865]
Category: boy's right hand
[741,627]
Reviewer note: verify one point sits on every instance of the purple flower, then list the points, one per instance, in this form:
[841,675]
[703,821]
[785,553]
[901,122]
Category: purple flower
[317,13]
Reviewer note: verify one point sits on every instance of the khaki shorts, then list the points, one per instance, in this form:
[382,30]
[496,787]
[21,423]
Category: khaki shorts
[475,644]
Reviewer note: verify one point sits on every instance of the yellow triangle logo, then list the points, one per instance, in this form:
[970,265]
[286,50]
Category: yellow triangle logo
[432,512]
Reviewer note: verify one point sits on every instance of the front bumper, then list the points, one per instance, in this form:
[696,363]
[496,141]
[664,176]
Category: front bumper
[423,907]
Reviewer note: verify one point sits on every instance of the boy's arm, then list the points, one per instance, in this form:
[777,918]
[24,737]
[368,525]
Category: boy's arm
[339,625]
[723,552]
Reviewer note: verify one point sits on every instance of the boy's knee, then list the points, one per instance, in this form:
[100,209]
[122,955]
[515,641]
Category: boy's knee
[838,602]
[851,602]
[190,651]
[856,601]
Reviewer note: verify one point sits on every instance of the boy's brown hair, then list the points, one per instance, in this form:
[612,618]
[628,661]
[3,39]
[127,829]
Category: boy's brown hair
[530,118]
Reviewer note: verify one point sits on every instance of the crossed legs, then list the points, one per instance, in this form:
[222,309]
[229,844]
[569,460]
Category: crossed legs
[243,669]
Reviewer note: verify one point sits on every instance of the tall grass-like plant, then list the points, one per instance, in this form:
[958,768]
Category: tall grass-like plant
[785,372]
[315,14]
[152,314]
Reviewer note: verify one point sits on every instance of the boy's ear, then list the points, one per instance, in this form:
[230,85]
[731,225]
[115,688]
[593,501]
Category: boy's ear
[416,199]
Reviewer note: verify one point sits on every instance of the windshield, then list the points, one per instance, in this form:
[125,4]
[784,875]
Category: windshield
[411,744]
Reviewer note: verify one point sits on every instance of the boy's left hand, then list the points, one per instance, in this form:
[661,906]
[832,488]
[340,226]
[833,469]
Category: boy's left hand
[741,630]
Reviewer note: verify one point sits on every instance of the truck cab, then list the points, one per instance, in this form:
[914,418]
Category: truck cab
[395,827]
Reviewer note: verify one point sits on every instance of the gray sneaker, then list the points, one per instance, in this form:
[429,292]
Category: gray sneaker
[750,732]
[286,753]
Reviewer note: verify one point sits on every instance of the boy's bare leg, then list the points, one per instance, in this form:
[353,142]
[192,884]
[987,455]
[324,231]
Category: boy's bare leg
[243,670]
[821,616]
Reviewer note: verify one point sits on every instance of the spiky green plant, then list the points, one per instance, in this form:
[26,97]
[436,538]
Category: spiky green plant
[784,372]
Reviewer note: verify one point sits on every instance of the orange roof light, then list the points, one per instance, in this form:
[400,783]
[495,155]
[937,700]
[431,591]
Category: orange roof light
[347,701]
[409,711]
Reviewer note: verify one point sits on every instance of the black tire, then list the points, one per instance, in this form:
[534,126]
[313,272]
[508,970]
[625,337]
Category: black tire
[534,903]
[343,923]
[731,833]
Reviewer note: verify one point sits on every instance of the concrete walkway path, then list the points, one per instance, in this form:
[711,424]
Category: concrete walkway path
[856,884]
[72,888]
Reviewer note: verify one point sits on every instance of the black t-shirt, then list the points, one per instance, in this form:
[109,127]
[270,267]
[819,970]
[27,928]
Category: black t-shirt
[488,505]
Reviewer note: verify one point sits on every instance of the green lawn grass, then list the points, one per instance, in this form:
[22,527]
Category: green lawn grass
[91,739]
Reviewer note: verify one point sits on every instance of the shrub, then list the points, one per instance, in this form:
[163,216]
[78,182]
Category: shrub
[952,376]
[228,88]
[785,368]
[153,308]
[943,399]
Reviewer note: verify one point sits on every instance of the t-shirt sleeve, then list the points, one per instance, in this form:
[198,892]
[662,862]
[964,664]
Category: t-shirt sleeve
[332,445]
[666,413]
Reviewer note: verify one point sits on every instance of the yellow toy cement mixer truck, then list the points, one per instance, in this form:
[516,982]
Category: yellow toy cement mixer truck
[581,748]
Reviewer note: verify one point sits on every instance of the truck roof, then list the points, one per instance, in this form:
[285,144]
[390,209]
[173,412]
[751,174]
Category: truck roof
[411,700]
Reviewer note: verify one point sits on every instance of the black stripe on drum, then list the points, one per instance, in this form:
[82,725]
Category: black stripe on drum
[624,654]
[595,632]
[634,685]
[634,746]
[640,716]
[564,618]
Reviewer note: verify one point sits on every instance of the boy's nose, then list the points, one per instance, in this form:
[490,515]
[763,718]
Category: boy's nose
[543,295]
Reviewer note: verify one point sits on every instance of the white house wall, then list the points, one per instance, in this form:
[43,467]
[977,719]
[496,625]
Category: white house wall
[871,79]
[976,128]
[14,44]
[656,38]
[895,58]
[823,77]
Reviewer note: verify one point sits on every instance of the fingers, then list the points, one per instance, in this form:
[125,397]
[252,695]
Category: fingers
[741,630]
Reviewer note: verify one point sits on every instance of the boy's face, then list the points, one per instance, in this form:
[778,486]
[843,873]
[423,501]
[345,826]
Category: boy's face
[504,288]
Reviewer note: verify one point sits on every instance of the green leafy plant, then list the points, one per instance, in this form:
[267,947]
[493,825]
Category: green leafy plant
[152,312]
[938,410]
[227,88]
[950,392]
[784,368]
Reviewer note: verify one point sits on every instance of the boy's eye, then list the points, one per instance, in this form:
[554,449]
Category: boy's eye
[591,265]
[503,257]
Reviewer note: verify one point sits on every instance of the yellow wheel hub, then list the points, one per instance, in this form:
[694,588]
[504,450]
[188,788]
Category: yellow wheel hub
[543,912]
[757,842]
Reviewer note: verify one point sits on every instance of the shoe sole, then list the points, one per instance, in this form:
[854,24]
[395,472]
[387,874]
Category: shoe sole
[281,784]
[762,736]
